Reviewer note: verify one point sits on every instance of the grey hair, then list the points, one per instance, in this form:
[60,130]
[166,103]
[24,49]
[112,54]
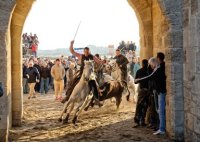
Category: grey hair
[153,61]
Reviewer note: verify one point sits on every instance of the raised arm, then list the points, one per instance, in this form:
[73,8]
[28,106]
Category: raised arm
[97,60]
[72,50]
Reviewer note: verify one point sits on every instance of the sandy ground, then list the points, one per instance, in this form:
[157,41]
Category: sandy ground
[104,124]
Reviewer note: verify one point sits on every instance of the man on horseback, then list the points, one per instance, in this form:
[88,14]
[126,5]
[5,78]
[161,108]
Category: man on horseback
[122,62]
[82,57]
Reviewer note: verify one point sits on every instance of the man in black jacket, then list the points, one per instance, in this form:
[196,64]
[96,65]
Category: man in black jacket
[36,65]
[45,75]
[33,76]
[25,83]
[141,106]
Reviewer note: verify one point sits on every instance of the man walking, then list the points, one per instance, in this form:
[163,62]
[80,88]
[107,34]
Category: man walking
[33,76]
[58,73]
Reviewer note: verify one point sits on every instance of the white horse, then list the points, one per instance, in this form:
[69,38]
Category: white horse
[81,94]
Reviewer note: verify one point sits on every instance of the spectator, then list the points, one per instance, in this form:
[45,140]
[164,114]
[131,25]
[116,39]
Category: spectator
[58,73]
[136,66]
[33,77]
[36,64]
[141,106]
[34,49]
[25,81]
[45,75]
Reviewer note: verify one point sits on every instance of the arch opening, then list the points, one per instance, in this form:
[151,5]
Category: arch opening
[157,34]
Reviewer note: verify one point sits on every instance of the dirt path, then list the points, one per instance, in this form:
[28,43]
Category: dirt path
[98,124]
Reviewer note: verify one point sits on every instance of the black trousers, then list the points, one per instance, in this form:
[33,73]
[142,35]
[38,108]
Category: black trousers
[93,88]
[141,107]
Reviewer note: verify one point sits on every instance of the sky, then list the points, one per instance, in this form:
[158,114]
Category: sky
[103,23]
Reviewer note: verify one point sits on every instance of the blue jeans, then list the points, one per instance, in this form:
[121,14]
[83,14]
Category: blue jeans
[44,85]
[161,111]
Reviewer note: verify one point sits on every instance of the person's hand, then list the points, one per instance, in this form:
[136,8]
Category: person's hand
[27,76]
[72,42]
[120,66]
[37,80]
[136,80]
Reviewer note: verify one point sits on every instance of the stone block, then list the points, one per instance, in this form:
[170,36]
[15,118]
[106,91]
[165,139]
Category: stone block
[176,38]
[179,133]
[176,21]
[188,135]
[189,121]
[177,72]
[179,119]
[174,55]
[185,17]
[197,62]
[172,6]
[7,5]
[194,7]
[3,121]
[196,125]
[196,83]
[193,39]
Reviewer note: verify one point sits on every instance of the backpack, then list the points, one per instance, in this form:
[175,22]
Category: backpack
[1,90]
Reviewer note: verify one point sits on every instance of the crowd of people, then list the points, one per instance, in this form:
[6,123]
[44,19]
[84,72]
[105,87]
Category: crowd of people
[30,44]
[124,47]
[41,75]
[151,94]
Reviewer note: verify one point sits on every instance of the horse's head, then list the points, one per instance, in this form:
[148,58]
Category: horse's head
[88,69]
[111,65]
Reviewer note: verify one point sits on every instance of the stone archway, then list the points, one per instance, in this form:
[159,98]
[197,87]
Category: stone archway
[160,30]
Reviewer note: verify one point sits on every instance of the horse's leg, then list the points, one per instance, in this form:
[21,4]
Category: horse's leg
[68,113]
[81,106]
[91,103]
[64,110]
[118,101]
[128,96]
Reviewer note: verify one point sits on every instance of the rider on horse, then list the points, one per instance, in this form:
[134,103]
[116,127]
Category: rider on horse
[122,62]
[82,57]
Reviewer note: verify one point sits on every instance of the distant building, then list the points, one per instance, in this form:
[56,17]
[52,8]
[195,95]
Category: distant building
[111,50]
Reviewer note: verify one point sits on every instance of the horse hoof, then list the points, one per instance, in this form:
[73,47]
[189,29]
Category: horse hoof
[128,98]
[65,121]
[74,120]
[86,109]
[59,119]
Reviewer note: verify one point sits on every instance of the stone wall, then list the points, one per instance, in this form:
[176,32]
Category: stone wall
[18,18]
[192,69]
[6,8]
